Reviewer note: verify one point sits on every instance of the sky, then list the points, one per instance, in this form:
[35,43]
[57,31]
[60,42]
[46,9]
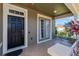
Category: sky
[62,21]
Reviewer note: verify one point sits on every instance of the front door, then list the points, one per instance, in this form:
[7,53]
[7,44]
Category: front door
[15,31]
[15,28]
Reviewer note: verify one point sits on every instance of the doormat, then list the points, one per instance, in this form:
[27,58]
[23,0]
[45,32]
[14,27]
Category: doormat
[14,53]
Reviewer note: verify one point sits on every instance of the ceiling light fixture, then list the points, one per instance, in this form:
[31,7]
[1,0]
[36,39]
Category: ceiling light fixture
[55,11]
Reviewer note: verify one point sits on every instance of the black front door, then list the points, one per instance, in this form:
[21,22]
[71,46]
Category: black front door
[15,31]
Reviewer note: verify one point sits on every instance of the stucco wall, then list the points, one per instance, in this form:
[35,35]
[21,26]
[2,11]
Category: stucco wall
[32,27]
[1,24]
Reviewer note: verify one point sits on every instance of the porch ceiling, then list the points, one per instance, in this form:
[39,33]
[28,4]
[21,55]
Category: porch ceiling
[48,8]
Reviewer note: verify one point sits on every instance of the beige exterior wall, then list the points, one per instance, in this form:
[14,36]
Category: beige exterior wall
[32,27]
[1,27]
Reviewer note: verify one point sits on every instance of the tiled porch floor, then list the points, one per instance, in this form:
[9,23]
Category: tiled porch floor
[41,49]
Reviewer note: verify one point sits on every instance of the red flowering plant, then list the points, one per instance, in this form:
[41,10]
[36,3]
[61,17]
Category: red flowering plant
[74,27]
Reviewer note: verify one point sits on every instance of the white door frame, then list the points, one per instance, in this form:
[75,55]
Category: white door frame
[38,31]
[6,8]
